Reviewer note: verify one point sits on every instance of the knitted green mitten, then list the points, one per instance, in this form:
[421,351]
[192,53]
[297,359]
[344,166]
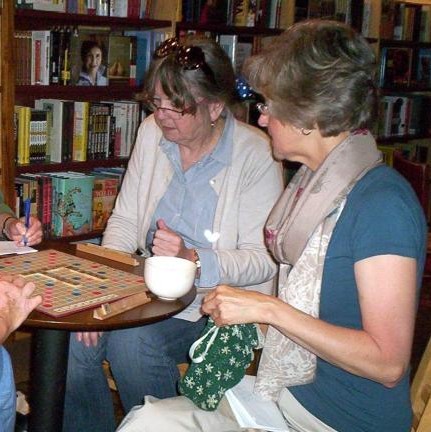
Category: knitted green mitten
[219,360]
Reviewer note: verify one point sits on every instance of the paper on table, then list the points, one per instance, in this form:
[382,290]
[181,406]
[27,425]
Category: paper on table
[10,247]
[192,311]
[252,411]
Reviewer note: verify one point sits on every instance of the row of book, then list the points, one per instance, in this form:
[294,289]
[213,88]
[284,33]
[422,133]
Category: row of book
[69,203]
[58,130]
[405,66]
[116,8]
[58,56]
[416,151]
[356,13]
[404,115]
[245,13]
[405,21]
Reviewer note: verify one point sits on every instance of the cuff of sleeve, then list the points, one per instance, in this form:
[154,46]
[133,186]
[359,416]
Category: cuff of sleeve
[209,271]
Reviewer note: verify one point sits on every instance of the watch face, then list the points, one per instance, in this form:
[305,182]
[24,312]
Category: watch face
[196,259]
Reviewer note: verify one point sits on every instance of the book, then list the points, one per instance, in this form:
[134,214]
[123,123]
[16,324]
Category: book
[59,149]
[252,411]
[80,130]
[64,55]
[40,57]
[168,10]
[38,135]
[23,138]
[144,48]
[215,12]
[23,49]
[228,43]
[119,59]
[89,56]
[425,24]
[387,20]
[72,210]
[49,5]
[400,116]
[395,66]
[99,130]
[240,12]
[104,194]
[424,67]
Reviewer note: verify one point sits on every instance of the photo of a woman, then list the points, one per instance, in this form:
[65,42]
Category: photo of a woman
[93,72]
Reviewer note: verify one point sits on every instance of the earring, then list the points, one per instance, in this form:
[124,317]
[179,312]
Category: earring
[306,132]
[213,124]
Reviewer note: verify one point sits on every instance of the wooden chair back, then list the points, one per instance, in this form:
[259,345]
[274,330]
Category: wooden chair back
[421,393]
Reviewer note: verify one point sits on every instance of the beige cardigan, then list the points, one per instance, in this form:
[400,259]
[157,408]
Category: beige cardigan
[247,190]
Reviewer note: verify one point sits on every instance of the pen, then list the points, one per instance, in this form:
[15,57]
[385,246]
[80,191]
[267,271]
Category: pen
[27,207]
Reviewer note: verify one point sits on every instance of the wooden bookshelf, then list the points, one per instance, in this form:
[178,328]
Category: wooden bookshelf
[11,20]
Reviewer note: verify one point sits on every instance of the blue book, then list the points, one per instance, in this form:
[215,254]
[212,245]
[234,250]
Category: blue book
[72,204]
[144,48]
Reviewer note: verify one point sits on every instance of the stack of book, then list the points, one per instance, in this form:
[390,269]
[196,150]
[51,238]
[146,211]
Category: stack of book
[69,203]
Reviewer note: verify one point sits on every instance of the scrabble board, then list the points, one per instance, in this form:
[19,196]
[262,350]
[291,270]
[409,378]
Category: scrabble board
[71,284]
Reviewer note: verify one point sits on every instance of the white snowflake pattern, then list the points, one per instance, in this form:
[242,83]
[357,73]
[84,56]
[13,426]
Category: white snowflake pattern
[218,375]
[225,337]
[209,367]
[209,383]
[225,350]
[232,361]
[199,390]
[199,371]
[221,391]
[211,401]
[237,347]
[189,382]
[227,375]
[235,330]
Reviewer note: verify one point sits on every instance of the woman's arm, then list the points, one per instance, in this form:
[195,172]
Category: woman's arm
[259,185]
[121,232]
[380,351]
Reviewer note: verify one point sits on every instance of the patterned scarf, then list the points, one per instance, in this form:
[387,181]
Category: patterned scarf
[298,232]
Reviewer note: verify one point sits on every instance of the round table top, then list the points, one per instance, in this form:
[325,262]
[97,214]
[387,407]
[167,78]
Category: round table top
[153,311]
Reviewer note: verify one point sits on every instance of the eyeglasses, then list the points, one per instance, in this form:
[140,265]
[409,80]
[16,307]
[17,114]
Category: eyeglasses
[262,108]
[189,57]
[154,105]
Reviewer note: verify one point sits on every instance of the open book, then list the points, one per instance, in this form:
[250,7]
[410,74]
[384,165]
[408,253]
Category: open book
[252,411]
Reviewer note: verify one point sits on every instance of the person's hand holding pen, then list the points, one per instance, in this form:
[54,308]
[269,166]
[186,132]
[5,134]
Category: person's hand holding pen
[26,231]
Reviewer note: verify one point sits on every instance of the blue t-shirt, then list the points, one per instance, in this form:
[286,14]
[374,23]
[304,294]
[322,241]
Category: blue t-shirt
[382,216]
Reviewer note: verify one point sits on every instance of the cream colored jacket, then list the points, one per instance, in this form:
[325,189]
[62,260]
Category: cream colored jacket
[247,190]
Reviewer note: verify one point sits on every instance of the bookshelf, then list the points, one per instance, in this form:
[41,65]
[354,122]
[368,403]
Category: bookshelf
[405,79]
[7,100]
[12,20]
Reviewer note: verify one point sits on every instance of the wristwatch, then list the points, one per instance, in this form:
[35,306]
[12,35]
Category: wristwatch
[197,261]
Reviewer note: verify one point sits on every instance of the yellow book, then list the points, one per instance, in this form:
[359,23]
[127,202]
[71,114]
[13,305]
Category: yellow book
[80,131]
[23,152]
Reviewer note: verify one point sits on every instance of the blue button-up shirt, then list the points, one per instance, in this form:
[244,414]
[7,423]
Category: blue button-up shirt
[189,204]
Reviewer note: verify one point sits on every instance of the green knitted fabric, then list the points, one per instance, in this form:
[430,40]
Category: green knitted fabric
[219,360]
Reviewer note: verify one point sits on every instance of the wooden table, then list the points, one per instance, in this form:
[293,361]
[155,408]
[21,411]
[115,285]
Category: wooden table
[50,343]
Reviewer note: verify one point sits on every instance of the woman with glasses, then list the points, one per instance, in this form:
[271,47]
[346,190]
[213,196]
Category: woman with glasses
[199,185]
[350,237]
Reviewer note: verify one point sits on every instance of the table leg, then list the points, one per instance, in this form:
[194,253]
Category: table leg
[48,370]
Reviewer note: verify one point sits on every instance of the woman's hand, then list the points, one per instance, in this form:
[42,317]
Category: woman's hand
[16,230]
[16,303]
[168,243]
[227,305]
